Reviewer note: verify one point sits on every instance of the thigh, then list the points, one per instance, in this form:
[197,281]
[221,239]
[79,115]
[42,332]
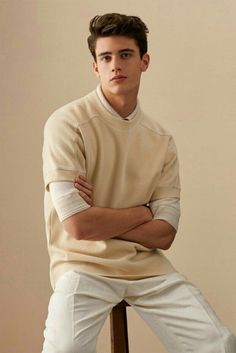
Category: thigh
[177,312]
[77,311]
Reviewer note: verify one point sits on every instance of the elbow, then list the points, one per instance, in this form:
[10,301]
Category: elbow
[166,246]
[75,231]
[78,227]
[168,241]
[82,233]
[163,243]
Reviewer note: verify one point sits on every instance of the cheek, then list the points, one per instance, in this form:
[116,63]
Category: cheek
[137,74]
[102,71]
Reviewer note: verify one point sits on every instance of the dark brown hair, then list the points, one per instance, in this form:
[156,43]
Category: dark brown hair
[115,24]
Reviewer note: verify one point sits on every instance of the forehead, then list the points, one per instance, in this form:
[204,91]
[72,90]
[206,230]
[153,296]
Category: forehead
[115,44]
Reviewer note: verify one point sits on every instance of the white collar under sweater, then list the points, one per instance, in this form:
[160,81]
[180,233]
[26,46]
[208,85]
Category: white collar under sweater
[110,109]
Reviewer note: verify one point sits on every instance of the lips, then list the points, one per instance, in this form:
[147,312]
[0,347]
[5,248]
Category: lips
[118,77]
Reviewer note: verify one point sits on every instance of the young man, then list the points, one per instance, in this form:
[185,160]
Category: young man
[105,241]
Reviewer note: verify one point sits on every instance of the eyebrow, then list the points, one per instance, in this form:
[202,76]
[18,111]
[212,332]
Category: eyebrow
[120,52]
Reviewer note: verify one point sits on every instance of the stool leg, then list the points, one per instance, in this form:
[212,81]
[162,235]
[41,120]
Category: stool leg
[119,331]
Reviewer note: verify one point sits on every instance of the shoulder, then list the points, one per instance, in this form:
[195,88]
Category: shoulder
[159,134]
[154,127]
[74,113]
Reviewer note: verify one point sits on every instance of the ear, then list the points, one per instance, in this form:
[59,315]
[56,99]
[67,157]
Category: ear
[145,62]
[95,69]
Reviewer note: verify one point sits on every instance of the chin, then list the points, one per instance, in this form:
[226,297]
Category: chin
[119,90]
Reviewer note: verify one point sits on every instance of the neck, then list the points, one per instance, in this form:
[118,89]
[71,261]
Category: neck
[124,105]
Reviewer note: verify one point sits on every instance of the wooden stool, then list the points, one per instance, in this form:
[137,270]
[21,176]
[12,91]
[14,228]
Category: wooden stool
[119,329]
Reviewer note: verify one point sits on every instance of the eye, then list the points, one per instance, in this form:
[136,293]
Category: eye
[105,58]
[126,55]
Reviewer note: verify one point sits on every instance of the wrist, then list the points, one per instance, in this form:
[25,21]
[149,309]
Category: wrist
[147,213]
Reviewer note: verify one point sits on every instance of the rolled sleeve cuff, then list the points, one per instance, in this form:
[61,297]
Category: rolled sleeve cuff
[66,199]
[167,209]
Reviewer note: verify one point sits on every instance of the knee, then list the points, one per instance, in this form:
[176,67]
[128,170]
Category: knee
[66,345]
[71,347]
[223,340]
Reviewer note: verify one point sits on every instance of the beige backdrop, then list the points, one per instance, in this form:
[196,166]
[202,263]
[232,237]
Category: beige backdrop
[190,88]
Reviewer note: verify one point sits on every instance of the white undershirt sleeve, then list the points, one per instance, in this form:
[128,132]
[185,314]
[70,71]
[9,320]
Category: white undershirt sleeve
[66,199]
[167,209]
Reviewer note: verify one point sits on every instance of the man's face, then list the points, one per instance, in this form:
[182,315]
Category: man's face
[119,65]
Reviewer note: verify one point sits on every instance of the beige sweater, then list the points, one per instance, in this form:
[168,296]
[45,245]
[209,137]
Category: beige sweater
[130,163]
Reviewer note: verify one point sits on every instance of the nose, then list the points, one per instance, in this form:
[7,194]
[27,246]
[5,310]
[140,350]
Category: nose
[116,65]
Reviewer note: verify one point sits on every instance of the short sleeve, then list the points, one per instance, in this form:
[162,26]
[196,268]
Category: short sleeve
[168,184]
[63,150]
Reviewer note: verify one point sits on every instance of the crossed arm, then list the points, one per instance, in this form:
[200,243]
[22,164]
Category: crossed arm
[131,224]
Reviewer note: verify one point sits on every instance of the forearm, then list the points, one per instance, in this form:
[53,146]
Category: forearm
[97,223]
[152,234]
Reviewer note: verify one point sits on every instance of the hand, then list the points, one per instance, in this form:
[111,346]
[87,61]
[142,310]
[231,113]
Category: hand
[85,189]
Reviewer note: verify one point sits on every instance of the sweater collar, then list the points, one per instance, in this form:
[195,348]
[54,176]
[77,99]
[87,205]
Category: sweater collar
[108,107]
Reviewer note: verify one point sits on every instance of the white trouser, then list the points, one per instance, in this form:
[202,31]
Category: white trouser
[173,308]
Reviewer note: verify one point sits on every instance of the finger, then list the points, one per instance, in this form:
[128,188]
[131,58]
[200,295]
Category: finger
[86,198]
[77,186]
[84,183]
[85,190]
[82,178]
